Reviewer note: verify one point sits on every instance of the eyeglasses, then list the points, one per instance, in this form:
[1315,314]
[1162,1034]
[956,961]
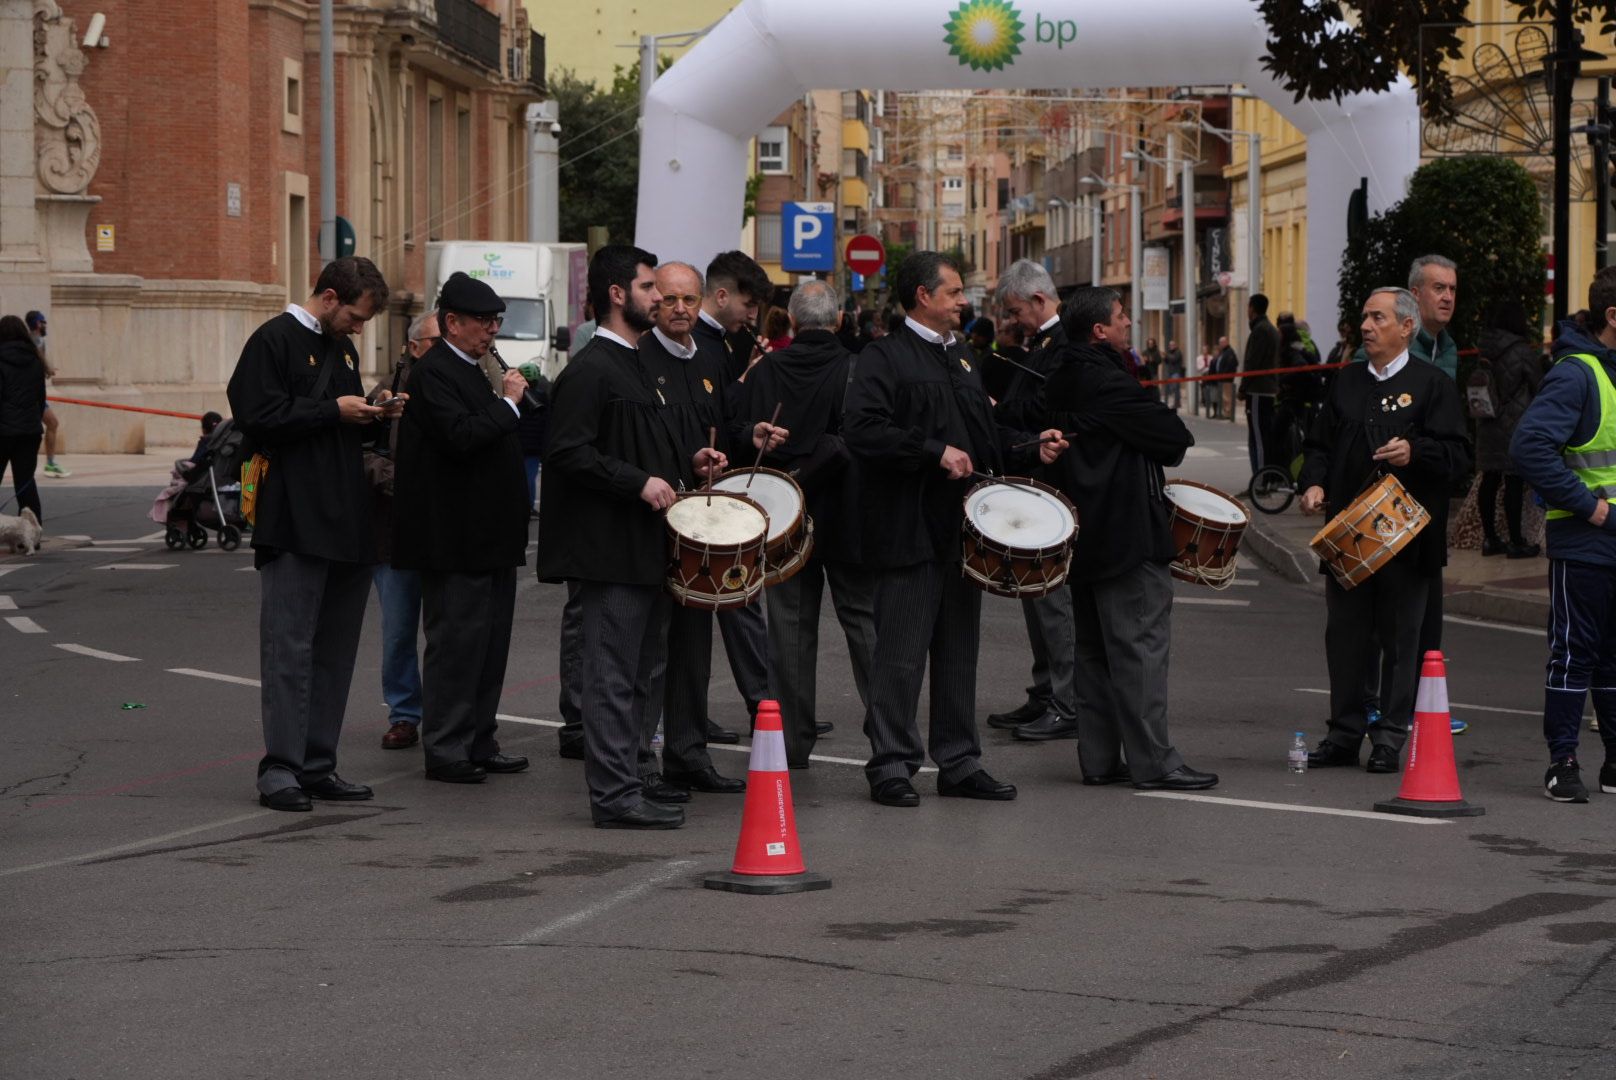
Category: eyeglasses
[675,301]
[487,322]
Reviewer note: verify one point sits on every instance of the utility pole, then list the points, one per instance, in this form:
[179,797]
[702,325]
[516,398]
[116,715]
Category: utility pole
[1599,136]
[1191,323]
[328,140]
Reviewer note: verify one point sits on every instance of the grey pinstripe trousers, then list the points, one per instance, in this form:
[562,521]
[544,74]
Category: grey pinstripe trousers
[623,641]
[1054,659]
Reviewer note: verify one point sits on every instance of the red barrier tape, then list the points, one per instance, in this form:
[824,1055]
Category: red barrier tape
[1269,371]
[124,408]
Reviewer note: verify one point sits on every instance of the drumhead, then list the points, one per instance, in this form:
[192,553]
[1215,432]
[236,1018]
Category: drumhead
[1208,505]
[726,521]
[1020,517]
[779,496]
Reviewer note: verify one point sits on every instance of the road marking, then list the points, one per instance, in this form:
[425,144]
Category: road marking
[1293,807]
[116,550]
[1536,632]
[245,569]
[7,604]
[113,543]
[1453,705]
[600,907]
[4,570]
[138,566]
[135,845]
[214,675]
[1209,601]
[85,650]
[23,624]
[1245,581]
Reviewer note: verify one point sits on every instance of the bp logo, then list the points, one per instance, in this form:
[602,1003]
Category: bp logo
[986,34]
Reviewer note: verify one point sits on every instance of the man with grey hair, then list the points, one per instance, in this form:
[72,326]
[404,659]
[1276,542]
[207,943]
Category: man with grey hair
[1434,282]
[1403,418]
[807,380]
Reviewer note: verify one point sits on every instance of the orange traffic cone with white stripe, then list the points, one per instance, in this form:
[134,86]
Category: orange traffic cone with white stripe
[768,858]
[1431,780]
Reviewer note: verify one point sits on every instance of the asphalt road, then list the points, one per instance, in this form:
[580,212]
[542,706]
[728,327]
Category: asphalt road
[157,923]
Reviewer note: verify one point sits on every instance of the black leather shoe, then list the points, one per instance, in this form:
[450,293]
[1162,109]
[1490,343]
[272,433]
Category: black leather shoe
[1026,714]
[1492,546]
[1328,755]
[706,780]
[503,763]
[652,786]
[335,789]
[647,815]
[1119,776]
[1522,551]
[287,798]
[823,728]
[1182,778]
[715,734]
[895,792]
[458,772]
[1051,725]
[572,748]
[979,785]
[1382,759]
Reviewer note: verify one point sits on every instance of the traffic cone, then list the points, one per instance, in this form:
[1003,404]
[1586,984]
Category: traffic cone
[768,859]
[1431,780]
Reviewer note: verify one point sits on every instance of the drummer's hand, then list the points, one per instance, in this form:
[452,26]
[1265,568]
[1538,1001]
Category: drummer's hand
[1396,453]
[1313,500]
[775,436]
[956,463]
[1051,449]
[657,494]
[709,462]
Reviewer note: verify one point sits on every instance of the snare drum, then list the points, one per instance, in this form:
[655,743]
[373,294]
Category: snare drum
[715,550]
[1207,526]
[1368,533]
[791,530]
[1018,537]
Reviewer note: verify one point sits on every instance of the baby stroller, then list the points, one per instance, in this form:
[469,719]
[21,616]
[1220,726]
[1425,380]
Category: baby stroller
[211,498]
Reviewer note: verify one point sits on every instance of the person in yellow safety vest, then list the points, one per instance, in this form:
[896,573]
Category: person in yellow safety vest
[1565,447]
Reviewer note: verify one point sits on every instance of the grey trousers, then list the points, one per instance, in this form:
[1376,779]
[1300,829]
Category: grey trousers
[925,611]
[570,704]
[1122,628]
[794,643]
[746,643]
[310,612]
[624,629]
[1378,622]
[689,672]
[1054,659]
[467,618]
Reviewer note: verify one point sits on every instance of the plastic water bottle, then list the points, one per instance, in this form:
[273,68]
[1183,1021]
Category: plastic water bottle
[1297,758]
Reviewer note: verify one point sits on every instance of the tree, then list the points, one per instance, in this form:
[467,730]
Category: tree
[600,155]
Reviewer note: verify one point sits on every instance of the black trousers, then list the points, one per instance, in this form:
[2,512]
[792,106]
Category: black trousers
[467,618]
[794,644]
[1380,621]
[20,453]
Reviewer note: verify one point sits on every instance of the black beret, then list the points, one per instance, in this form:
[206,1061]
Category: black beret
[468,296]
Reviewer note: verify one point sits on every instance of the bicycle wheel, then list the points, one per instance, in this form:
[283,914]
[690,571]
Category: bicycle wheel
[1272,490]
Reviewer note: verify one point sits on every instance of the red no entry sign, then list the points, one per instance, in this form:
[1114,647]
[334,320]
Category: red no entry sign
[865,255]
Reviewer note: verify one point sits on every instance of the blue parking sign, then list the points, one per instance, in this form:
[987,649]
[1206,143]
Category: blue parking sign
[808,236]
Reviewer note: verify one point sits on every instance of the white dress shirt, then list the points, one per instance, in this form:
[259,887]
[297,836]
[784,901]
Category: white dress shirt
[928,333]
[515,408]
[1391,369]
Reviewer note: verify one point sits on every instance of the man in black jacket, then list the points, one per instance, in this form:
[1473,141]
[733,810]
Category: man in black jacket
[461,514]
[296,393]
[1121,437]
[1257,388]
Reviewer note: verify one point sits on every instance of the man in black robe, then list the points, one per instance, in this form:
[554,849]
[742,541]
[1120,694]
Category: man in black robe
[296,393]
[460,506]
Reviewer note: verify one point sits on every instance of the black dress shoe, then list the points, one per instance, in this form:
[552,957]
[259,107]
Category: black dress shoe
[503,763]
[1051,725]
[1117,776]
[715,734]
[1328,755]
[1382,759]
[1522,551]
[647,815]
[706,780]
[335,789]
[458,772]
[979,785]
[1492,546]
[895,792]
[1026,714]
[572,748]
[823,728]
[1182,778]
[287,798]
[653,787]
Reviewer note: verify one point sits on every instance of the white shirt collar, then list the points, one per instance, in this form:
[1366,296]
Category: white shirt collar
[1053,319]
[601,331]
[683,352]
[1391,369]
[928,334]
[456,350]
[710,321]
[309,321]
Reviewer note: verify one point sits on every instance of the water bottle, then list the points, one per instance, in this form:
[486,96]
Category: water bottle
[1297,758]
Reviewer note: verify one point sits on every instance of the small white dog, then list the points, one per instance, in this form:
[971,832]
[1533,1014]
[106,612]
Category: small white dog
[20,534]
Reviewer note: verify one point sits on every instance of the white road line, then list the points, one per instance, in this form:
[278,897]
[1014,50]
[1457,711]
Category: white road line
[214,675]
[1453,705]
[85,650]
[7,604]
[1209,601]
[23,624]
[600,907]
[245,569]
[4,570]
[138,566]
[1248,582]
[1535,631]
[116,550]
[114,543]
[1294,808]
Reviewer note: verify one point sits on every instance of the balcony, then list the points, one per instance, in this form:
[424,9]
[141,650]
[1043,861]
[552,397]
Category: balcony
[471,30]
[1209,206]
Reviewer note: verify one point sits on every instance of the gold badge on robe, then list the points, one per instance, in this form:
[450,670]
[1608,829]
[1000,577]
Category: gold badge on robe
[312,361]
[964,363]
[1405,400]
[708,383]
[348,360]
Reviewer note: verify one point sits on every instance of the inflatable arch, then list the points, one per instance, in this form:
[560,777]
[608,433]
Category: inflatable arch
[703,111]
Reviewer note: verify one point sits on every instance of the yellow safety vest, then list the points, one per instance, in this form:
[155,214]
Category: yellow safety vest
[1594,461]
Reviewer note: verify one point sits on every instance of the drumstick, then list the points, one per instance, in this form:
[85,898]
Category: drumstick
[777,406]
[712,441]
[1047,438]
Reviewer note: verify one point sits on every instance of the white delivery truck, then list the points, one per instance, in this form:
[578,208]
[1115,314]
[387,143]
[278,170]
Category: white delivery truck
[542,286]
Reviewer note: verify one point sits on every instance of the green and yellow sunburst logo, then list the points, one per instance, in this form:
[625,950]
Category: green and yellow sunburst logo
[986,34]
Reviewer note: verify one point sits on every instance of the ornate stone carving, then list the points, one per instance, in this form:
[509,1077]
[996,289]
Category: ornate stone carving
[67,134]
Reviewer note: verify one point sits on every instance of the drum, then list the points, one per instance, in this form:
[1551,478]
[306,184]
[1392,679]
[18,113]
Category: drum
[1018,537]
[715,550]
[1207,525]
[1368,533]
[791,530]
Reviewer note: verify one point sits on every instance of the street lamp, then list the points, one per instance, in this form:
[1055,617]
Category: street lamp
[1096,225]
[1186,192]
[1253,200]
[1136,252]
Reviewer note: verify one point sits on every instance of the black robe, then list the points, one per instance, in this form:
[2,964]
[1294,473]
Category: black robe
[1021,406]
[692,394]
[315,500]
[459,489]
